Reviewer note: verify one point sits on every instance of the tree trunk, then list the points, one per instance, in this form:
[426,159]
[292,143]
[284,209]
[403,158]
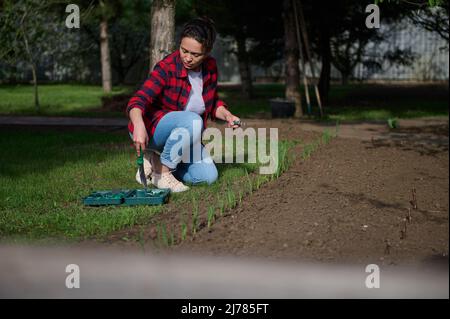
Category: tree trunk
[345,77]
[291,59]
[105,57]
[244,68]
[13,74]
[325,50]
[120,69]
[36,96]
[162,39]
[33,71]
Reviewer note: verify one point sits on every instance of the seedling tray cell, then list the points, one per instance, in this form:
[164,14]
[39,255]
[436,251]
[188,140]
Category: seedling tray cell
[99,198]
[147,197]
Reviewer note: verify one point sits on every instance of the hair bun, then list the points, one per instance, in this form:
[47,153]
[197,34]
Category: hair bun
[201,29]
[208,20]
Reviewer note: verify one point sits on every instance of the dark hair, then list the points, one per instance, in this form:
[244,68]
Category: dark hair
[202,30]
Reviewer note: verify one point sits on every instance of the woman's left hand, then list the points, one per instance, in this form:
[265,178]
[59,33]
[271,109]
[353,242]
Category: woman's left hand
[232,121]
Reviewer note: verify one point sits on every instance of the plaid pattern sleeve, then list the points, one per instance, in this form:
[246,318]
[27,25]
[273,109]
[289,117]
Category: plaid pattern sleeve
[150,90]
[217,102]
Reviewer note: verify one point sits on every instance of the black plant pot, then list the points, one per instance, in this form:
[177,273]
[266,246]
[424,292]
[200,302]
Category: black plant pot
[282,108]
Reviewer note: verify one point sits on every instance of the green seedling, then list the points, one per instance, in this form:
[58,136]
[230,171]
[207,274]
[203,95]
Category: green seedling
[211,215]
[258,182]
[183,231]
[172,239]
[221,207]
[141,239]
[249,181]
[326,137]
[392,123]
[194,219]
[306,152]
[162,234]
[231,199]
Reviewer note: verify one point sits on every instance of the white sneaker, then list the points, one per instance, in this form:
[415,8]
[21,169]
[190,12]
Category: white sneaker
[147,170]
[167,180]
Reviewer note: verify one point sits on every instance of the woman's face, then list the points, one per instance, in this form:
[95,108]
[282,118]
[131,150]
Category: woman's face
[192,53]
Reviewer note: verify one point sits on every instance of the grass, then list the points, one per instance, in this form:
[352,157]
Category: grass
[371,102]
[56,100]
[353,102]
[45,174]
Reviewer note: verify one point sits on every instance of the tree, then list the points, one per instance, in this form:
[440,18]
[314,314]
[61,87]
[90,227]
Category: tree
[323,19]
[348,46]
[106,11]
[340,36]
[129,37]
[430,15]
[28,32]
[105,56]
[254,34]
[232,20]
[102,14]
[291,58]
[162,39]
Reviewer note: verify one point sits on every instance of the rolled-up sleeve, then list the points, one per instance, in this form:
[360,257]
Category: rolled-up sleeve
[150,89]
[217,102]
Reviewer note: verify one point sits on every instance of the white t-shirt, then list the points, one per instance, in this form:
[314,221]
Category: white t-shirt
[195,101]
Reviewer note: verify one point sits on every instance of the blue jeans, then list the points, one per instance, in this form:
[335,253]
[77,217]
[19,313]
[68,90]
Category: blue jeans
[177,135]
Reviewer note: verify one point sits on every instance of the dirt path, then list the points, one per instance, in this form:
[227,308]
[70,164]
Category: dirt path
[347,203]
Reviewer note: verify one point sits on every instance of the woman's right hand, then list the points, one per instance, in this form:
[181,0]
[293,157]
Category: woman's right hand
[140,136]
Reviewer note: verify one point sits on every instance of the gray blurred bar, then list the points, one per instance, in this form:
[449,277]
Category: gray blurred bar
[38,272]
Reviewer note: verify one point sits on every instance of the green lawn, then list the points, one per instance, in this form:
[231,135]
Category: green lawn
[44,175]
[351,102]
[55,100]
[379,102]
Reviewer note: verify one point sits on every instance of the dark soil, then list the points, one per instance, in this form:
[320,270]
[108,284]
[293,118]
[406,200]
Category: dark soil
[349,202]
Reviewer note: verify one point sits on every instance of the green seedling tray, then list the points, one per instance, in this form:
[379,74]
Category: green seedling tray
[147,197]
[99,198]
[127,197]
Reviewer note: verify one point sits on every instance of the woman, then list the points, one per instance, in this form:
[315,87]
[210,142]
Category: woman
[178,97]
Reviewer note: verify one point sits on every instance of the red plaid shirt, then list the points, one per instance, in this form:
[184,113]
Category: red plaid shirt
[167,89]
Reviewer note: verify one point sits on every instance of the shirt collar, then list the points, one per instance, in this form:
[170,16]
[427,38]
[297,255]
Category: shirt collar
[181,70]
